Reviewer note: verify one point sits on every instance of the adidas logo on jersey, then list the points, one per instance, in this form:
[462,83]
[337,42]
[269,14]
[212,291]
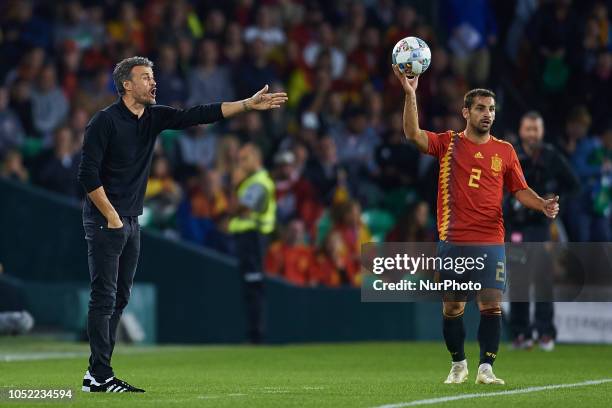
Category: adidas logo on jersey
[478,155]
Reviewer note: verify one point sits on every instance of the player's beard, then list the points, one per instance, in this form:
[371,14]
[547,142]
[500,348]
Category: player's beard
[480,129]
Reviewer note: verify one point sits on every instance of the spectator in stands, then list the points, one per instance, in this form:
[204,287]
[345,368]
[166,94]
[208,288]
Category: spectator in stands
[322,170]
[69,69]
[325,42]
[202,211]
[473,28]
[233,48]
[21,104]
[352,29]
[290,258]
[398,161]
[347,224]
[12,167]
[359,144]
[75,26]
[370,54]
[79,118]
[596,88]
[313,104]
[127,29]
[29,67]
[49,105]
[58,167]
[196,147]
[179,21]
[265,29]
[163,194]
[256,71]
[96,93]
[585,219]
[214,26]
[172,87]
[403,26]
[332,264]
[551,46]
[413,226]
[295,195]
[185,50]
[23,30]
[11,131]
[226,158]
[253,131]
[209,81]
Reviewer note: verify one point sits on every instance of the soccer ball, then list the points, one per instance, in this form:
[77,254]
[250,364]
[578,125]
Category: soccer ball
[412,56]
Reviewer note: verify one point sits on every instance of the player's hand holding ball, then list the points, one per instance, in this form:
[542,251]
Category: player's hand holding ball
[409,84]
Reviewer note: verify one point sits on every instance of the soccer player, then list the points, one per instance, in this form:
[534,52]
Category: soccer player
[474,169]
[115,164]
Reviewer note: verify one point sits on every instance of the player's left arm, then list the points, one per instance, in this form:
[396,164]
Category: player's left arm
[262,100]
[531,199]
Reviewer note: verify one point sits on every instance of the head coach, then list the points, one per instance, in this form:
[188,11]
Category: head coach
[116,159]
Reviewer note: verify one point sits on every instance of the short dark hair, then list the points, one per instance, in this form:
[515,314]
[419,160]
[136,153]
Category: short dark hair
[469,97]
[533,115]
[123,70]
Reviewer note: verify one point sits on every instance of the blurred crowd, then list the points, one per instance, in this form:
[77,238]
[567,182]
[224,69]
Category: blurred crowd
[343,173]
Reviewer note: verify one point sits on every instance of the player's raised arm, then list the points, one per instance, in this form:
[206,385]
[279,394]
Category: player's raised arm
[262,100]
[411,118]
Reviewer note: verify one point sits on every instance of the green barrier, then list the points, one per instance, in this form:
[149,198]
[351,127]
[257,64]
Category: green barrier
[298,314]
[64,305]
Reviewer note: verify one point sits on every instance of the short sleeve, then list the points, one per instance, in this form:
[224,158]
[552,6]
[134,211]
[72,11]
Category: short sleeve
[437,143]
[514,180]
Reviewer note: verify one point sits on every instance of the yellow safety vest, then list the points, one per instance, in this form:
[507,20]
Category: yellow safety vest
[261,221]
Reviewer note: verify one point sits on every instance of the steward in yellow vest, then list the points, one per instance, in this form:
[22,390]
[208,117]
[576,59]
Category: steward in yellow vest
[254,219]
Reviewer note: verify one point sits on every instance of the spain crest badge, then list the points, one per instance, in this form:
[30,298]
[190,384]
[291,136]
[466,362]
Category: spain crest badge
[496,163]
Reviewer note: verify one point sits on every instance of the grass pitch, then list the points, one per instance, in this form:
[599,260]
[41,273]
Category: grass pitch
[318,375]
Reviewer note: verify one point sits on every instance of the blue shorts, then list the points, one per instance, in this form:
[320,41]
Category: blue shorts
[487,265]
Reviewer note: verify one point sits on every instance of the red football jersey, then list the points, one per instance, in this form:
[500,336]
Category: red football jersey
[471,186]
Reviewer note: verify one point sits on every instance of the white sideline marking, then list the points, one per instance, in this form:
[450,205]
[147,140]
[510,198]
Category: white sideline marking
[41,356]
[493,394]
[52,355]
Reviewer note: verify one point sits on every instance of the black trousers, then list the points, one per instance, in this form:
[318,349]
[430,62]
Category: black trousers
[535,273]
[113,257]
[250,249]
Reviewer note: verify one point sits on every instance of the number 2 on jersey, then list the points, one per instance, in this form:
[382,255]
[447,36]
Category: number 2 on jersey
[474,177]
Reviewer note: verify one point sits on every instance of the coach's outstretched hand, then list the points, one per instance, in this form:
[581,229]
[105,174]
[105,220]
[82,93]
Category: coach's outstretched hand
[263,100]
[551,207]
[409,84]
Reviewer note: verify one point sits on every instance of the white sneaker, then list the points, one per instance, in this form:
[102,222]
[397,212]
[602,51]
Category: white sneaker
[546,343]
[458,373]
[485,375]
